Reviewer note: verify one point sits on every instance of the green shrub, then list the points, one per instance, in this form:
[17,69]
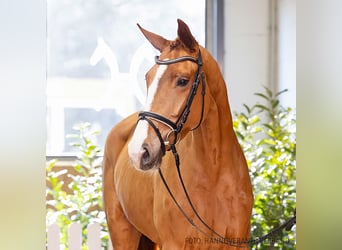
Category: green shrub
[267,134]
[81,200]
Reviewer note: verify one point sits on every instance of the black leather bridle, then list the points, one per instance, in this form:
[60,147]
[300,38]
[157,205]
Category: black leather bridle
[176,127]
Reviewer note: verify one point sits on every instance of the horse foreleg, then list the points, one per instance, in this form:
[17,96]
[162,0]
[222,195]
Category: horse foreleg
[123,235]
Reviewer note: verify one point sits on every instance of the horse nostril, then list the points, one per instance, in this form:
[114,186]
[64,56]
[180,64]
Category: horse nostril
[145,158]
[149,160]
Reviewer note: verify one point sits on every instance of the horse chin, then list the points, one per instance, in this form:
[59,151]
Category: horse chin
[151,166]
[150,162]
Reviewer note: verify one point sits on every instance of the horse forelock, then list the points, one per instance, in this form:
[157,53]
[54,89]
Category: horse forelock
[175,44]
[179,45]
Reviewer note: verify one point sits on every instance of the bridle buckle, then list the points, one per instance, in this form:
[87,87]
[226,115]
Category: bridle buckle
[167,139]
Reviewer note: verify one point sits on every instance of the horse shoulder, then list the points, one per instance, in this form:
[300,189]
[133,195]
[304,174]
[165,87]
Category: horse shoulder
[119,136]
[116,141]
[121,231]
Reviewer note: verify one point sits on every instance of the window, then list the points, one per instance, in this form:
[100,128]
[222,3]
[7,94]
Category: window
[97,59]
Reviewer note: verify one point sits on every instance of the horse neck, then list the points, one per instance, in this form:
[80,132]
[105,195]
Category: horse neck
[220,113]
[216,136]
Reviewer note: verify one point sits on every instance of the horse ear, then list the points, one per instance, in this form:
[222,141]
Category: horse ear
[157,41]
[184,34]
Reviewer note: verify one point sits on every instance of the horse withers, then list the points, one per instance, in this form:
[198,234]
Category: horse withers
[174,174]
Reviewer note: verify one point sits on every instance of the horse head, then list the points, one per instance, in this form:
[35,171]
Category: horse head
[176,102]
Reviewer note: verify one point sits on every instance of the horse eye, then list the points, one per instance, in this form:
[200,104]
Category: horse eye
[182,82]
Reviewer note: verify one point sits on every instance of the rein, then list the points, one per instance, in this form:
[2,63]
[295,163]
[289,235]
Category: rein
[287,225]
[176,128]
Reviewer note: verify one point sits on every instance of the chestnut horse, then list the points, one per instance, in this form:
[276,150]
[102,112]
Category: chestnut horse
[186,117]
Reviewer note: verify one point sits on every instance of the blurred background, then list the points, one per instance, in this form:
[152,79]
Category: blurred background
[97,57]
[97,60]
[23,67]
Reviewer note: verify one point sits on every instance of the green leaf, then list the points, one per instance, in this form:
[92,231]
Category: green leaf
[262,107]
[247,108]
[269,92]
[275,103]
[262,95]
[281,92]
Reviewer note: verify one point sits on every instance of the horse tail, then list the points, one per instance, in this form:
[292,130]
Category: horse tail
[146,244]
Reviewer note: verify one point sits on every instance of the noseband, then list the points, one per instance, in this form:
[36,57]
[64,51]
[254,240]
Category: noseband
[176,127]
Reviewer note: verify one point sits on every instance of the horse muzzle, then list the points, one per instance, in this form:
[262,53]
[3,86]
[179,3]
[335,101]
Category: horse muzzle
[148,159]
[144,154]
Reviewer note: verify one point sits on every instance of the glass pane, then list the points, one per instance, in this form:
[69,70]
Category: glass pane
[97,59]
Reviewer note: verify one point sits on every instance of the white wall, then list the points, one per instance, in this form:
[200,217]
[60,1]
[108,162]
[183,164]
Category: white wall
[287,51]
[250,60]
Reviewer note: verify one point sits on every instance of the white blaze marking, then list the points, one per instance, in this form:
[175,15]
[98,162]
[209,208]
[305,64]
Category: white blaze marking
[140,133]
